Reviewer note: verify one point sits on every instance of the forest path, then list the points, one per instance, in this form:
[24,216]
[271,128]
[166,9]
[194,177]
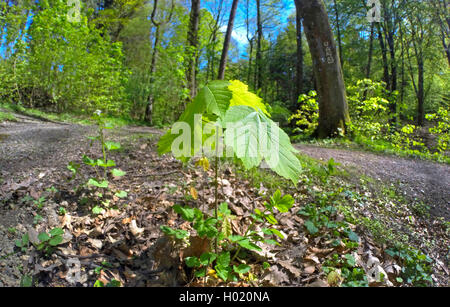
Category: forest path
[417,179]
[34,155]
[31,144]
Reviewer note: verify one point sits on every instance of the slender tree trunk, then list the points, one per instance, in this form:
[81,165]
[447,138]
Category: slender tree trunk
[369,60]
[299,75]
[420,92]
[226,43]
[333,109]
[384,57]
[338,28]
[258,69]
[150,101]
[149,108]
[192,48]
[249,77]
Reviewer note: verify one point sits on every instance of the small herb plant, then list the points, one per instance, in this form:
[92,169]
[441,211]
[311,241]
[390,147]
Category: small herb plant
[416,266]
[227,260]
[102,166]
[48,241]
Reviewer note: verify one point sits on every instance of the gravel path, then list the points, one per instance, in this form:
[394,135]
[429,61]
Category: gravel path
[427,181]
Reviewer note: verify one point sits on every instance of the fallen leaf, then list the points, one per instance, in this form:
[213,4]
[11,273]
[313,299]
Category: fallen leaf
[194,193]
[319,283]
[310,269]
[136,231]
[291,268]
[313,258]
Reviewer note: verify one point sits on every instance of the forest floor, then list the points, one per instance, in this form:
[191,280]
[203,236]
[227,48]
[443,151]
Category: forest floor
[124,241]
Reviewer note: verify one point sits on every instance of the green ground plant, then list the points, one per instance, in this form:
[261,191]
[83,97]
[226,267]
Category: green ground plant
[230,103]
[102,166]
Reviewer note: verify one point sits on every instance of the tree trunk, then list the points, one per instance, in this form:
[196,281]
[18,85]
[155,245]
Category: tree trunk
[148,116]
[338,28]
[333,109]
[420,92]
[149,108]
[226,43]
[299,75]
[258,69]
[192,48]
[384,57]
[369,60]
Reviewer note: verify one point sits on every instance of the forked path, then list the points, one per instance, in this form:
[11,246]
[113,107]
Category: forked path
[427,181]
[31,144]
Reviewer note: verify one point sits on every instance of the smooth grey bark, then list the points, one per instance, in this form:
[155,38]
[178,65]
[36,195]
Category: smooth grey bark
[333,109]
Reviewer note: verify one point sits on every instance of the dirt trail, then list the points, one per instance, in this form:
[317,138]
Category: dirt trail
[417,179]
[34,155]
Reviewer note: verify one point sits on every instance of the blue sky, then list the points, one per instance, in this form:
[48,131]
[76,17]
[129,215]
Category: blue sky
[239,33]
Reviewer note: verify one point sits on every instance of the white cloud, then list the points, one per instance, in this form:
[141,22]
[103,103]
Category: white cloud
[238,34]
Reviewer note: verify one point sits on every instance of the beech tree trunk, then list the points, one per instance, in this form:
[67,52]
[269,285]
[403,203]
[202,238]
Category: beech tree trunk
[226,43]
[192,48]
[299,76]
[258,69]
[333,109]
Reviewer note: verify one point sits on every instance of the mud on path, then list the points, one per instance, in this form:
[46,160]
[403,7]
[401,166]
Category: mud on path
[417,179]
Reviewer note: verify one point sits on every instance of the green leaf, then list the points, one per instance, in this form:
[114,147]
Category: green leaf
[43,237]
[167,230]
[109,163]
[181,234]
[186,213]
[243,97]
[212,101]
[207,258]
[103,184]
[223,271]
[56,240]
[255,137]
[223,208]
[223,259]
[235,238]
[200,273]
[350,260]
[112,145]
[117,172]
[97,210]
[277,233]
[113,284]
[73,167]
[26,281]
[242,268]
[353,236]
[88,161]
[121,194]
[266,265]
[56,231]
[192,262]
[249,245]
[271,219]
[312,229]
